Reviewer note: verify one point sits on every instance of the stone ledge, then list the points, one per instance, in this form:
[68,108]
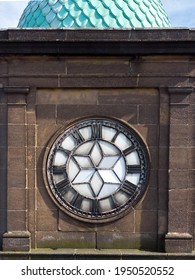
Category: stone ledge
[93,254]
[42,34]
[16,90]
[97,42]
[16,241]
[178,242]
[181,90]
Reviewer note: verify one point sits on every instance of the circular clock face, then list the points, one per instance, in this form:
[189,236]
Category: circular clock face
[97,169]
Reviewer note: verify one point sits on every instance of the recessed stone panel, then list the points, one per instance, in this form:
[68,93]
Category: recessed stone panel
[67,96]
[128,96]
[126,240]
[126,112]
[55,239]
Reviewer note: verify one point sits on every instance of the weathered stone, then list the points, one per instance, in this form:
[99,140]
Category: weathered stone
[178,242]
[16,241]
[57,239]
[126,240]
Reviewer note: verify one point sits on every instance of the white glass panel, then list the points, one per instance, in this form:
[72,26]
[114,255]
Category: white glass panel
[108,149]
[105,205]
[68,143]
[58,178]
[84,189]
[109,176]
[108,162]
[60,158]
[96,154]
[133,158]
[84,149]
[122,142]
[121,198]
[108,189]
[84,176]
[96,183]
[120,168]
[133,178]
[84,162]
[73,170]
[86,132]
[69,196]
[86,205]
[108,133]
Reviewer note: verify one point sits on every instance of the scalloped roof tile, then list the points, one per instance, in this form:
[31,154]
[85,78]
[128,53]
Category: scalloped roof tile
[94,14]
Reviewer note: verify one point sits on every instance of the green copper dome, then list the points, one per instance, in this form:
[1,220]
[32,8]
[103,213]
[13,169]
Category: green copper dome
[94,14]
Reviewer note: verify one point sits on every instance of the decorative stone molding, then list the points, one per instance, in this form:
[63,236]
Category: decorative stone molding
[16,241]
[178,242]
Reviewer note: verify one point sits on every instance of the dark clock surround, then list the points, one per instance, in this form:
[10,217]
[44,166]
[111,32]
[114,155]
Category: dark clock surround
[97,169]
[49,78]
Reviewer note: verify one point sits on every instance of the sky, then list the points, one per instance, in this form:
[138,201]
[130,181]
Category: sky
[181,13]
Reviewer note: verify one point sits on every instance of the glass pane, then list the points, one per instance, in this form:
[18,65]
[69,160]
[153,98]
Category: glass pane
[109,176]
[58,178]
[122,142]
[120,168]
[105,205]
[69,195]
[84,189]
[86,205]
[60,158]
[108,133]
[108,162]
[86,132]
[83,162]
[84,149]
[96,154]
[121,198]
[108,189]
[68,143]
[108,149]
[133,178]
[133,158]
[84,176]
[96,183]
[73,169]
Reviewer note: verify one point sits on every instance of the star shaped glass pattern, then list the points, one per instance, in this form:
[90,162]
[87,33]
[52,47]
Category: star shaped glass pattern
[97,169]
[98,173]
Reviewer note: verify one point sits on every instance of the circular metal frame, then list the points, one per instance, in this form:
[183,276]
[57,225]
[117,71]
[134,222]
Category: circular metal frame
[96,169]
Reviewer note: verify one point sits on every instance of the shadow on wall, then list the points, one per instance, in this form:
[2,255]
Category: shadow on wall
[3,166]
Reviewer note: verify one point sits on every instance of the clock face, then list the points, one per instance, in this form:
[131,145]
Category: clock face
[97,169]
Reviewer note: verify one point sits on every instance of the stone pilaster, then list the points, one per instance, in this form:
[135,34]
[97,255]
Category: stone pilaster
[179,238]
[17,236]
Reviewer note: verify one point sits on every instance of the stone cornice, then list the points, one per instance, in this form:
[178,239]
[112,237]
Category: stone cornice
[97,42]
